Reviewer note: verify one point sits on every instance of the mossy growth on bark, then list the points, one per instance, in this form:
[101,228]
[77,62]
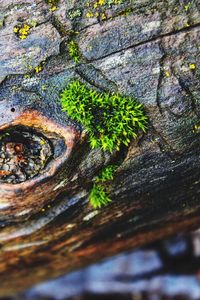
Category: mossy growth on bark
[99,194]
[110,120]
[74,52]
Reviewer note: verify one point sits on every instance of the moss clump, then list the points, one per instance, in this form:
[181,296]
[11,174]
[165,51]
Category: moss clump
[74,51]
[106,174]
[109,119]
[99,195]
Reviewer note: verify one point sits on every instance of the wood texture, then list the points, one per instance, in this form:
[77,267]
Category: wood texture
[147,50]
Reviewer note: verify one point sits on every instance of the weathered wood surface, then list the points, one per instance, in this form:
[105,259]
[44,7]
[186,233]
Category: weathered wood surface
[145,49]
[166,269]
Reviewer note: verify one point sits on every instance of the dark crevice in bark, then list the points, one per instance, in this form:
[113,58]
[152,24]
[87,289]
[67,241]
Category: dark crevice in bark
[161,63]
[58,25]
[89,73]
[48,20]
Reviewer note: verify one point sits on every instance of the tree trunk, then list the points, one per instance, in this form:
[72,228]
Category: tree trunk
[143,49]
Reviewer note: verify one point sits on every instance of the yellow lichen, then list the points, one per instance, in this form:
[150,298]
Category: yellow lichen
[196,127]
[98,3]
[187,6]
[26,76]
[53,8]
[15,29]
[103,16]
[52,4]
[89,14]
[22,30]
[167,73]
[192,66]
[97,10]
[42,142]
[38,69]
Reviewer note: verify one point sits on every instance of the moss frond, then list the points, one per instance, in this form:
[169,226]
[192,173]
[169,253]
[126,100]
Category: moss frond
[98,196]
[106,174]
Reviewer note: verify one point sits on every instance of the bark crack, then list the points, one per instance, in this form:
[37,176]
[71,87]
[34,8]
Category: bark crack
[184,87]
[153,39]
[96,78]
[161,63]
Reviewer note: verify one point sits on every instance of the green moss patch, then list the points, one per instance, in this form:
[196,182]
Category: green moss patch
[99,195]
[111,120]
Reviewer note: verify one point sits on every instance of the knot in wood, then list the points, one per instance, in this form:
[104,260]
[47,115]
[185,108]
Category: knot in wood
[23,154]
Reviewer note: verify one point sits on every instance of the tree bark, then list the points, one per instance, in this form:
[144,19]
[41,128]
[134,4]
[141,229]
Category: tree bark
[142,49]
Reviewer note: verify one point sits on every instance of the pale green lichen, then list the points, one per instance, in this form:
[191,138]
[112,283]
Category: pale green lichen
[73,14]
